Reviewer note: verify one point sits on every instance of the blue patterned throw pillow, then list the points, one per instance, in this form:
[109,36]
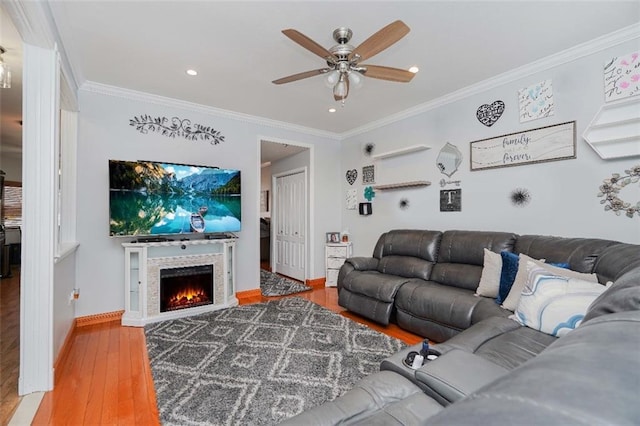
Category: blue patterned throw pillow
[508,274]
[553,304]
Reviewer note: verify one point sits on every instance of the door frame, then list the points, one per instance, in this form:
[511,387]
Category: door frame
[310,240]
[274,216]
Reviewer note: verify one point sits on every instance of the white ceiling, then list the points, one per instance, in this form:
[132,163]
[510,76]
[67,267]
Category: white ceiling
[238,49]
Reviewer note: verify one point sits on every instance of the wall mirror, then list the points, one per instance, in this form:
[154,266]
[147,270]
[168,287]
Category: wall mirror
[449,159]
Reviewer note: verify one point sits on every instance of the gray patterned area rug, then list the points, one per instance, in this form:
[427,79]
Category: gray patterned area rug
[258,364]
[274,285]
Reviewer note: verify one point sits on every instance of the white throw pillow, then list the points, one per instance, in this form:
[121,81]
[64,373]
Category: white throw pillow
[553,304]
[490,278]
[511,302]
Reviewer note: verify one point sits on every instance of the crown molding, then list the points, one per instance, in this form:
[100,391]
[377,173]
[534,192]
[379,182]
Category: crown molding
[133,95]
[569,55]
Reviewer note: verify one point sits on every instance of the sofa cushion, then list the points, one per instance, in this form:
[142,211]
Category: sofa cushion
[616,260]
[448,306]
[622,296]
[409,242]
[511,302]
[500,340]
[580,253]
[383,396]
[554,304]
[588,377]
[461,256]
[405,266]
[374,284]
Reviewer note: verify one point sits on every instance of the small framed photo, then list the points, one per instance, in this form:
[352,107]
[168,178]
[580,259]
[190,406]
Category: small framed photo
[333,237]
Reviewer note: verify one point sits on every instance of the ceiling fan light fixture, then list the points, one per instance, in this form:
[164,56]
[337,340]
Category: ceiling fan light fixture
[355,79]
[332,78]
[341,88]
[5,72]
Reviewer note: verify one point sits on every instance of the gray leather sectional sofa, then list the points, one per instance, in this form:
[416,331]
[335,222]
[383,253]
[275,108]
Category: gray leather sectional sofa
[491,370]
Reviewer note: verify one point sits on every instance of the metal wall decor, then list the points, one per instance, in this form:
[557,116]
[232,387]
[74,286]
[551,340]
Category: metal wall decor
[368,175]
[444,183]
[369,193]
[489,114]
[520,197]
[351,176]
[176,127]
[611,187]
[368,149]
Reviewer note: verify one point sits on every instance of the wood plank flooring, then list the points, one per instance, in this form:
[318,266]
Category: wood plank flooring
[9,344]
[107,378]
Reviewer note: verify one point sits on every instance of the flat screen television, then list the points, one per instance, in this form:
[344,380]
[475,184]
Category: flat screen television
[155,198]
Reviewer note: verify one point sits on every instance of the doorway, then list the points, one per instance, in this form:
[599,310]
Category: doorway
[279,159]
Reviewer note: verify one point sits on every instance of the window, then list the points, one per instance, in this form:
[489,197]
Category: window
[12,204]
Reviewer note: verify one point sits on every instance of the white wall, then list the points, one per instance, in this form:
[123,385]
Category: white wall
[104,133]
[563,193]
[64,278]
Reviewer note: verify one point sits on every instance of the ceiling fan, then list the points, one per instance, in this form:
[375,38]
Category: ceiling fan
[343,60]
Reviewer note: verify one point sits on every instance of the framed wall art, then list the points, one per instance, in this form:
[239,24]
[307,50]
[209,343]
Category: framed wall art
[550,143]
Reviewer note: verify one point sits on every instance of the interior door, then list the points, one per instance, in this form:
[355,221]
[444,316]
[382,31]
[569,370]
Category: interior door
[291,225]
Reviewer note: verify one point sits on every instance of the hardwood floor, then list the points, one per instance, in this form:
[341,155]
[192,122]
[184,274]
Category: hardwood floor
[106,378]
[9,344]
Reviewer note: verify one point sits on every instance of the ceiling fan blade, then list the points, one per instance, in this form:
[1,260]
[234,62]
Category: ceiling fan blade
[387,73]
[380,40]
[308,44]
[301,75]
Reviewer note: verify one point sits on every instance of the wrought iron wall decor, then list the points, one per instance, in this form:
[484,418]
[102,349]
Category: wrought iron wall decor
[520,197]
[368,148]
[611,187]
[489,114]
[176,127]
[351,176]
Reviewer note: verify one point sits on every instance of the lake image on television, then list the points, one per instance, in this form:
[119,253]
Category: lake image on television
[149,198]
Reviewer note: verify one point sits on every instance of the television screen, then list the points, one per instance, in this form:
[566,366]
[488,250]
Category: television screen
[153,198]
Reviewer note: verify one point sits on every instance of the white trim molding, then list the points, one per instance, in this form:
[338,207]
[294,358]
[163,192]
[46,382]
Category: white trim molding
[40,134]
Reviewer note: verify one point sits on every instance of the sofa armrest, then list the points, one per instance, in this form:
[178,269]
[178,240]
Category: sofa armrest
[456,374]
[363,263]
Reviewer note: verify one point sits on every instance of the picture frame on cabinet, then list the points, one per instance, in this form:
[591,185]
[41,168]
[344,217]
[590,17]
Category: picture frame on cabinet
[333,237]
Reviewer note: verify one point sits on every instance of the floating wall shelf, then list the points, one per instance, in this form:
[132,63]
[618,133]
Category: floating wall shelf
[402,185]
[401,151]
[614,132]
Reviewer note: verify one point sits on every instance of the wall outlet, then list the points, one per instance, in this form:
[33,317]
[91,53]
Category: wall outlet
[76,293]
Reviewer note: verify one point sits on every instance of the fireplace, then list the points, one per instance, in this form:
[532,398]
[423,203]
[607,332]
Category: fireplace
[186,287]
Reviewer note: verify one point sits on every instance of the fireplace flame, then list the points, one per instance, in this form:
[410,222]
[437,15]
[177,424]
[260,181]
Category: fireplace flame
[187,297]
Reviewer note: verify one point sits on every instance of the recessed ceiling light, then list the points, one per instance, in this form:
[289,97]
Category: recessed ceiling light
[414,69]
[332,110]
[192,72]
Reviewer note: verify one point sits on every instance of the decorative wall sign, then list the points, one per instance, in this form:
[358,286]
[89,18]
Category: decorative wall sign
[489,114]
[368,175]
[369,193]
[352,199]
[368,149]
[622,77]
[611,187]
[536,101]
[365,209]
[449,159]
[176,127]
[451,200]
[352,175]
[403,204]
[549,143]
[520,197]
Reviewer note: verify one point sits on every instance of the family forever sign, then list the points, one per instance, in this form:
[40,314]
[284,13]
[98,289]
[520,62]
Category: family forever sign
[557,142]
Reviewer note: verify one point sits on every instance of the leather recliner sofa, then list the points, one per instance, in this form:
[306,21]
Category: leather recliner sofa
[491,370]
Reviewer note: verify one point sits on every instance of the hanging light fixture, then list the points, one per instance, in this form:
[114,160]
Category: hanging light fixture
[5,72]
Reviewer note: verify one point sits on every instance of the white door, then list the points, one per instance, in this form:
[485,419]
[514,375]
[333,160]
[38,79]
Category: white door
[291,225]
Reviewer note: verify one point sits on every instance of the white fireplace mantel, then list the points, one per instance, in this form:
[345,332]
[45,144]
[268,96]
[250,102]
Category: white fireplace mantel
[143,262]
